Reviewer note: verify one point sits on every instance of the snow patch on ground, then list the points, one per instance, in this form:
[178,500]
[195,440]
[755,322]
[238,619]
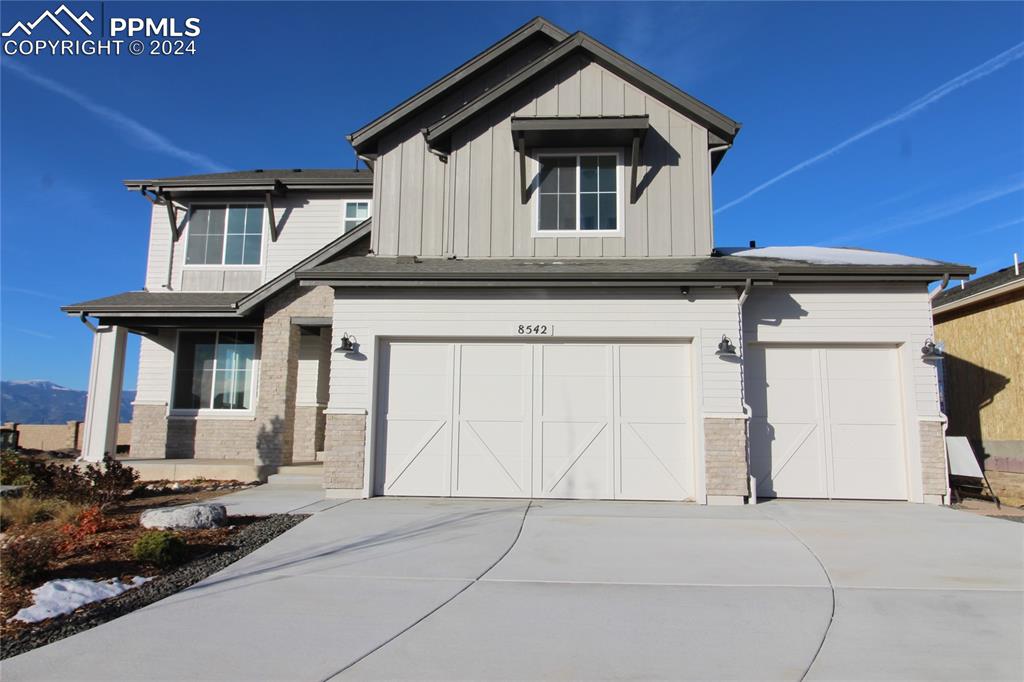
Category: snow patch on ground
[59,597]
[830,256]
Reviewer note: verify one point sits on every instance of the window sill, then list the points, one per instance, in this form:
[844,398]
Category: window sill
[233,266]
[214,415]
[593,234]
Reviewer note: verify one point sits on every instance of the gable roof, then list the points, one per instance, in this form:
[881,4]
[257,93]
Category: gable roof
[538,26]
[716,122]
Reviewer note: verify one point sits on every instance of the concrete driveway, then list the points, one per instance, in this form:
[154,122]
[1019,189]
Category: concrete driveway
[487,589]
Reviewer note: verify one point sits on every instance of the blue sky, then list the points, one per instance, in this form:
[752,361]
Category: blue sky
[925,103]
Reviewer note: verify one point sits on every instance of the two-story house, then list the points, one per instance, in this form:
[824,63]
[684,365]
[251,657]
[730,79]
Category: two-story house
[522,298]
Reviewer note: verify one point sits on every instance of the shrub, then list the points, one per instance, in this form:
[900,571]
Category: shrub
[25,510]
[159,547]
[27,555]
[110,481]
[14,469]
[88,522]
[57,481]
[96,484]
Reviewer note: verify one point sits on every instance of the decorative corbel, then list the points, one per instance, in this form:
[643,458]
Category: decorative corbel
[270,212]
[524,194]
[635,164]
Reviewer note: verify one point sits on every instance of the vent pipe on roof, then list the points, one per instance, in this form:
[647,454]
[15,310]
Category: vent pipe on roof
[1016,264]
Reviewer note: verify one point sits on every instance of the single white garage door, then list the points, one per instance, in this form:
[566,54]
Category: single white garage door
[827,422]
[566,420]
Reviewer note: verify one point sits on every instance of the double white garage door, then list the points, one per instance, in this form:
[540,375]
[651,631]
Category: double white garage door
[827,422]
[566,420]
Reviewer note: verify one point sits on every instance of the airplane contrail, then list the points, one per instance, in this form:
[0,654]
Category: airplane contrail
[142,135]
[991,66]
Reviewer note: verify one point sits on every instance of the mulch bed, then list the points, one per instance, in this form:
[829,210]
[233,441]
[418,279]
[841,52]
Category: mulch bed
[107,555]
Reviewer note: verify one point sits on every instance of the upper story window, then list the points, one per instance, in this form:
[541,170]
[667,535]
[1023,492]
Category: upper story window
[214,370]
[578,192]
[355,213]
[225,234]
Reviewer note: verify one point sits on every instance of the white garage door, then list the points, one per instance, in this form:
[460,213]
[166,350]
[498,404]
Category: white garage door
[572,420]
[827,422]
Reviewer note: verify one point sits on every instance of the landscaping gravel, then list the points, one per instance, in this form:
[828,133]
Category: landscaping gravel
[246,541]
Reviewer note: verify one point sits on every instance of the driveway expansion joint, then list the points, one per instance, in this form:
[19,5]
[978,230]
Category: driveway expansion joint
[832,591]
[474,581]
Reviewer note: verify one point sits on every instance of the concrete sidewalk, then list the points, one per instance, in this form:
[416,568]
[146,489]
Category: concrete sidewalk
[489,589]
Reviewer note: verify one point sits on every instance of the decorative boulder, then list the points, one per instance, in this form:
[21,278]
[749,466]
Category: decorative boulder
[191,516]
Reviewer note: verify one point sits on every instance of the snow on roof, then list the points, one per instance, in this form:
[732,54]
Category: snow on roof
[829,256]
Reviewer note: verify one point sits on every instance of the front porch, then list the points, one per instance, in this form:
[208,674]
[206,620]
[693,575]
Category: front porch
[248,428]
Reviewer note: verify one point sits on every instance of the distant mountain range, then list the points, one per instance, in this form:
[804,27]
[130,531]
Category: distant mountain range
[44,402]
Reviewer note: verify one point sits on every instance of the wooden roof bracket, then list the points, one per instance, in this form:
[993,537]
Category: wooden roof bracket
[172,216]
[268,199]
[523,190]
[634,164]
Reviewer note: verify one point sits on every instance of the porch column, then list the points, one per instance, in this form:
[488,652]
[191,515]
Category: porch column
[103,403]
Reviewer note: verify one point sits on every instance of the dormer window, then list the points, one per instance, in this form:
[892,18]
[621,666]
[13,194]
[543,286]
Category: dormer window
[225,234]
[578,192]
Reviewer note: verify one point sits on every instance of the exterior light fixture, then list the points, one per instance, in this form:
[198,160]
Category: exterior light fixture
[346,343]
[929,351]
[725,348]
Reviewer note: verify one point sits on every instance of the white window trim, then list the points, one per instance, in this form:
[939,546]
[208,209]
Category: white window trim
[211,412]
[344,210]
[578,233]
[220,266]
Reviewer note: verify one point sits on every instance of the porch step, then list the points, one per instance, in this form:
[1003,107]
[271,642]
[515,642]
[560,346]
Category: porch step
[310,474]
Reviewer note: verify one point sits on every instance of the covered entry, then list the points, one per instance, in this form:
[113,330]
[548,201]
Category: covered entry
[561,420]
[827,422]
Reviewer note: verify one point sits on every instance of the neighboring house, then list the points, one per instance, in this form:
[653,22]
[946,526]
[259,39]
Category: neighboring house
[535,309]
[979,326]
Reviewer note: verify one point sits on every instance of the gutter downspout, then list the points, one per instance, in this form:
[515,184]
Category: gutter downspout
[84,317]
[940,288]
[752,481]
[945,419]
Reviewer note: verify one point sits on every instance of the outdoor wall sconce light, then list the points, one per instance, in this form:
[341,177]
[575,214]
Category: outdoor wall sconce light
[725,348]
[346,343]
[929,351]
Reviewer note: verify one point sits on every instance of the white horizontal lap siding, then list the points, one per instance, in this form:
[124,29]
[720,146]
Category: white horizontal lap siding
[896,314]
[603,315]
[307,223]
[159,248]
[156,365]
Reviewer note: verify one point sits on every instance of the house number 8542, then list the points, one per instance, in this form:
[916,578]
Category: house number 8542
[534,330]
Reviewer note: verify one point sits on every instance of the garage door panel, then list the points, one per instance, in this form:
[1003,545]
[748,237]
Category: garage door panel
[653,465]
[828,423]
[864,401]
[789,459]
[575,460]
[654,398]
[867,462]
[417,457]
[491,455]
[575,397]
[491,461]
[538,419]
